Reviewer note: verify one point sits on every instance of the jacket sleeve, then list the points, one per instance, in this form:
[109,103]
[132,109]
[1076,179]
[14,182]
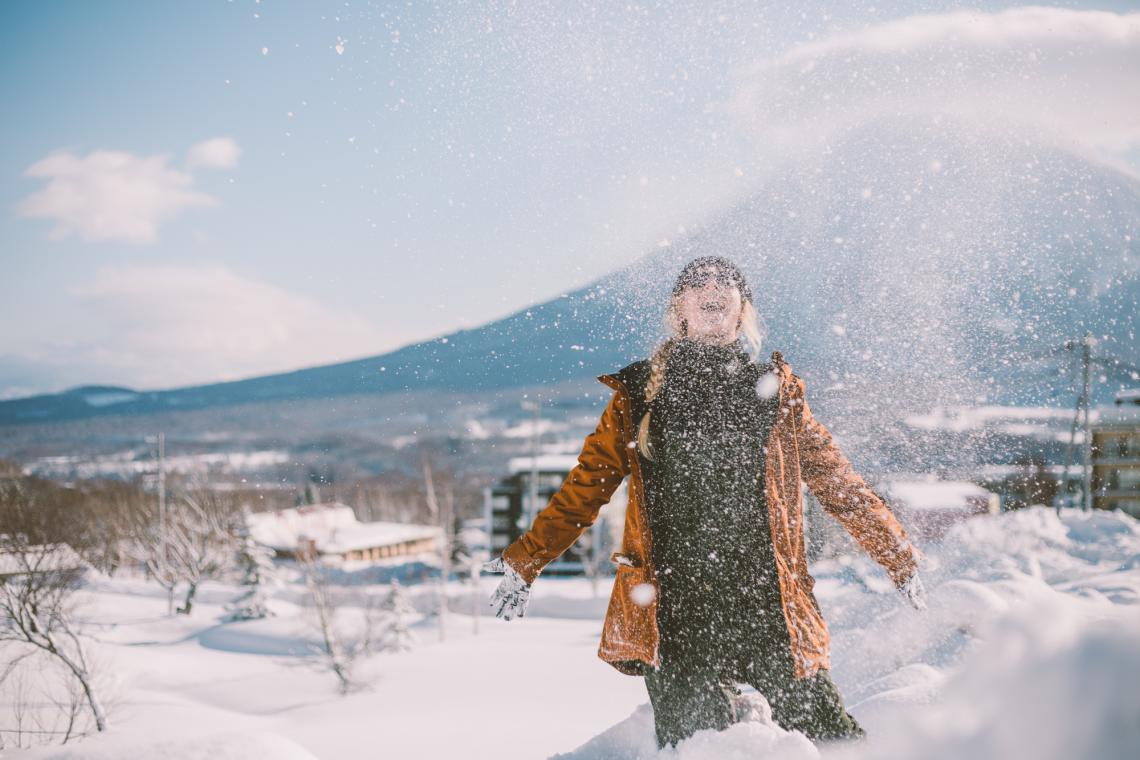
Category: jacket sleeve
[846,496]
[602,465]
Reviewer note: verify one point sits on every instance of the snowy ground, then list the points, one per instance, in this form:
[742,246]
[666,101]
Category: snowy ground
[1029,650]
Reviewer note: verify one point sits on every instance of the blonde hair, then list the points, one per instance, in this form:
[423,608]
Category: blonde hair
[750,326]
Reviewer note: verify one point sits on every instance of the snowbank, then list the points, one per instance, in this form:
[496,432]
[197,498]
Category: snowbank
[225,746]
[1028,650]
[633,739]
[1046,685]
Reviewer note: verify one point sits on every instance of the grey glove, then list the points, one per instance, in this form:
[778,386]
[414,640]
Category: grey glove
[511,597]
[914,592]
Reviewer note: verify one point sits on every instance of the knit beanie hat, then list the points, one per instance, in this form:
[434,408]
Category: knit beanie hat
[697,272]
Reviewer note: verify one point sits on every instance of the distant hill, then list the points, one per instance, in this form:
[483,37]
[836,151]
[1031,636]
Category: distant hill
[901,270]
[543,343]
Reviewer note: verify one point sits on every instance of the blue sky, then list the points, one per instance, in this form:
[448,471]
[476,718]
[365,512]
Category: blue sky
[205,191]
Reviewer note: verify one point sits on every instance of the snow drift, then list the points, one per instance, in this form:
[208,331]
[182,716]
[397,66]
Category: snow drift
[1028,651]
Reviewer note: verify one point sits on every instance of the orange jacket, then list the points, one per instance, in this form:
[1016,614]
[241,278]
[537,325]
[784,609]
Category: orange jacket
[799,448]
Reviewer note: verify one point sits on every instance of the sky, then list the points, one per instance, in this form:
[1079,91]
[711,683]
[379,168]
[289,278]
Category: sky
[195,192]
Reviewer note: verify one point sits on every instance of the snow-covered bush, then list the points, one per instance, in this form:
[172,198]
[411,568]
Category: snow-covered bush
[397,607]
[255,563]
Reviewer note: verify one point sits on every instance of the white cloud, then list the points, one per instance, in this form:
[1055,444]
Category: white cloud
[1062,75]
[216,153]
[173,325]
[115,195]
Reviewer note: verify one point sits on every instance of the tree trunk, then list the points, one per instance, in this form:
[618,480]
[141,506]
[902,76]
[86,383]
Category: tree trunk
[77,668]
[189,603]
[337,662]
[92,700]
[84,679]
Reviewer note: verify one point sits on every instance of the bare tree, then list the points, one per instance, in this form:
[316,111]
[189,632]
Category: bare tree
[146,542]
[194,542]
[204,537]
[468,561]
[104,543]
[26,691]
[589,546]
[337,655]
[38,576]
[442,517]
[342,646]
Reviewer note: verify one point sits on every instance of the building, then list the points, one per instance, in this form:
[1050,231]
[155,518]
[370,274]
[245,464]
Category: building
[39,560]
[1115,454]
[332,530]
[510,508]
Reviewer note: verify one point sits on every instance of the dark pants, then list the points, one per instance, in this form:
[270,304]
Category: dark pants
[690,696]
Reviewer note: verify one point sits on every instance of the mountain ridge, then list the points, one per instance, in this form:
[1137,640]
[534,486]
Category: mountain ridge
[900,270]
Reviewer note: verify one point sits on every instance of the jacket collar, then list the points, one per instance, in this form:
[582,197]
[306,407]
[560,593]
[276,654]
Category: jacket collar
[633,379]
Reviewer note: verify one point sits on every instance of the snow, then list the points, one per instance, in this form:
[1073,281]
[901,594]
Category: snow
[1043,687]
[543,463]
[1027,651]
[1045,424]
[333,527]
[965,417]
[217,746]
[1111,416]
[126,464]
[40,558]
[531,428]
[109,398]
[931,493]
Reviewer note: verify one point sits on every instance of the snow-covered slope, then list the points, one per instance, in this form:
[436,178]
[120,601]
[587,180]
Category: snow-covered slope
[1028,650]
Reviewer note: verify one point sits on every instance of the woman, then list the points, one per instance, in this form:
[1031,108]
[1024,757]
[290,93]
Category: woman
[712,582]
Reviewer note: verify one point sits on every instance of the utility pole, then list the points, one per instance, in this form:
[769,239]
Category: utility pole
[1086,474]
[160,442]
[532,500]
[445,544]
[1086,344]
[1110,364]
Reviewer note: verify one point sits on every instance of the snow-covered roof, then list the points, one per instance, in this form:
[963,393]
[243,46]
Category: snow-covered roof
[528,428]
[966,417]
[544,463]
[41,558]
[1128,395]
[1125,416]
[931,493]
[988,471]
[333,527]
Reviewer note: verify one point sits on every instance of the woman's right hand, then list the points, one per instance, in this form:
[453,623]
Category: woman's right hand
[513,593]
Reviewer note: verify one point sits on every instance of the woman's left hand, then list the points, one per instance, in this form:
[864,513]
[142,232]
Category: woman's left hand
[914,592]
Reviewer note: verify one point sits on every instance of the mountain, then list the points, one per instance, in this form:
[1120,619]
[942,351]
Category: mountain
[536,345]
[904,268]
[915,266]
